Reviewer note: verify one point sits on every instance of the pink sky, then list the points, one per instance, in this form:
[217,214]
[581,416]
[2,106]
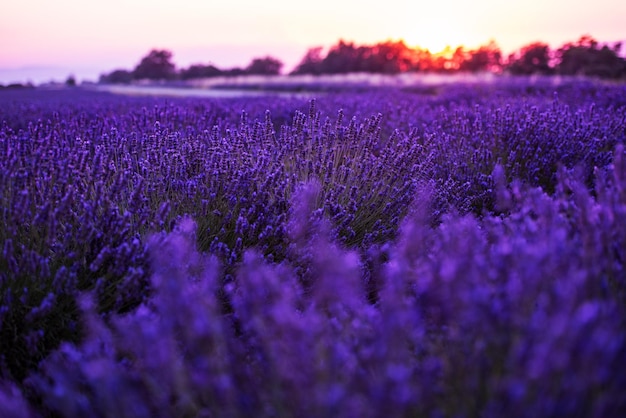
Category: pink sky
[89,37]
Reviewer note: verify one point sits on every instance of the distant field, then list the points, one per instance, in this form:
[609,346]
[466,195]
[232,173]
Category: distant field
[246,84]
[310,86]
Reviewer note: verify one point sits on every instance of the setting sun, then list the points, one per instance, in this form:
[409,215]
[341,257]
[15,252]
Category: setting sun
[433,27]
[436,38]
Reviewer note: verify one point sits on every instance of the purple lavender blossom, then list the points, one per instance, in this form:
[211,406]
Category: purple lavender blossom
[457,254]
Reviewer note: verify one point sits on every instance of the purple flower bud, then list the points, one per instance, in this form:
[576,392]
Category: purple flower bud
[101,258]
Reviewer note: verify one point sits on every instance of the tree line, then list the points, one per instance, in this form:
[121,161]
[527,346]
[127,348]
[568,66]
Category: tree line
[158,65]
[586,57]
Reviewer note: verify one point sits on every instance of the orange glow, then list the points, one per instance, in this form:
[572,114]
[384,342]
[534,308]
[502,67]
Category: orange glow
[435,29]
[436,40]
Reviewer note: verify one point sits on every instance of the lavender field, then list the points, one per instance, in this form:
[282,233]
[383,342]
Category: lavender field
[447,250]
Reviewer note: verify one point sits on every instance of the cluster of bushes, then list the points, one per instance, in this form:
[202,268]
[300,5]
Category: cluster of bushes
[585,57]
[158,65]
[458,254]
[13,86]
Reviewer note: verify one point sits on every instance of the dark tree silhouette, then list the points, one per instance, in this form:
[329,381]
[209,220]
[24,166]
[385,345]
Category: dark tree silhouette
[344,58]
[311,63]
[157,65]
[587,57]
[117,77]
[200,71]
[387,57]
[265,66]
[233,72]
[530,59]
[70,81]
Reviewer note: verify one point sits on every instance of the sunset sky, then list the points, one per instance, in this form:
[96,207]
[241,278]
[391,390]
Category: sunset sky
[41,39]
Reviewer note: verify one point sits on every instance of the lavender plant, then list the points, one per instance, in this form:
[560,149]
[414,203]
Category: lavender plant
[476,316]
[448,254]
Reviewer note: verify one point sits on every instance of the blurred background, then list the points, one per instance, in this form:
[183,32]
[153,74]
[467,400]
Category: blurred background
[43,42]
